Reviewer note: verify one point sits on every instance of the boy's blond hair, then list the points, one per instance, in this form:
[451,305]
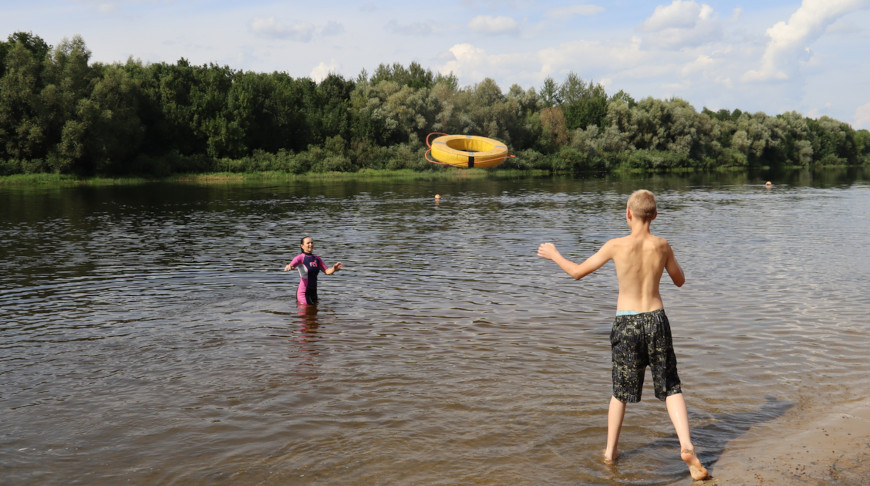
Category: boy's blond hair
[642,204]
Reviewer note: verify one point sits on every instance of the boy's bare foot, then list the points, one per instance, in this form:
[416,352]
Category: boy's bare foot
[612,458]
[696,469]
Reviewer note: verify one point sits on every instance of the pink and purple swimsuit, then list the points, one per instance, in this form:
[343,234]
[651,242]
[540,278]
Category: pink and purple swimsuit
[309,265]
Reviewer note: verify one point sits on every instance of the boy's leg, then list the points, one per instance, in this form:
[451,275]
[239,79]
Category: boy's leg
[680,417]
[615,415]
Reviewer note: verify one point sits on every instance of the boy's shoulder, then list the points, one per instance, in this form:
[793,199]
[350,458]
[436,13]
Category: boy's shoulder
[633,240]
[659,241]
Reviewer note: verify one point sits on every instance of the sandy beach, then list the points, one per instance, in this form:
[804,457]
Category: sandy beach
[801,447]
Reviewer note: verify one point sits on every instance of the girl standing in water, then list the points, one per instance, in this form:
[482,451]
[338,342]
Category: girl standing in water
[309,265]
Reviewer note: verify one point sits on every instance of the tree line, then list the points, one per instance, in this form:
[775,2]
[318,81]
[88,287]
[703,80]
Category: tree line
[60,113]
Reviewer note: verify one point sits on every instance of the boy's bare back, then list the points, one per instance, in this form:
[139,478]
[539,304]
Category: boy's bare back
[640,260]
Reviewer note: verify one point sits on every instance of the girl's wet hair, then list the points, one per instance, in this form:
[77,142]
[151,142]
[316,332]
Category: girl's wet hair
[302,240]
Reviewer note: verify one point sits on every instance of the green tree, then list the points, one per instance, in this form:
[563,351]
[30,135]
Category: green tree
[223,134]
[582,103]
[114,132]
[671,126]
[415,76]
[620,123]
[446,118]
[525,104]
[623,97]
[550,93]
[481,109]
[22,134]
[833,142]
[171,88]
[328,109]
[795,148]
[752,137]
[69,82]
[554,129]
[34,44]
[862,146]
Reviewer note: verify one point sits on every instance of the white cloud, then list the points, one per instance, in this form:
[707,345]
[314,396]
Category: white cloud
[323,70]
[725,81]
[700,64]
[594,56]
[789,41]
[473,64]
[269,27]
[567,12]
[682,24]
[485,24]
[466,58]
[862,117]
[678,14]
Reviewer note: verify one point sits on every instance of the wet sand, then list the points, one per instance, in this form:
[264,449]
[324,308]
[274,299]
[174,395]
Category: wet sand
[802,447]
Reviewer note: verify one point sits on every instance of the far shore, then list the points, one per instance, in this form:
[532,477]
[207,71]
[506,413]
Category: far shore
[235,177]
[437,173]
[801,447]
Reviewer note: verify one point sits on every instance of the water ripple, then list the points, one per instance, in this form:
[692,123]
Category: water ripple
[150,335]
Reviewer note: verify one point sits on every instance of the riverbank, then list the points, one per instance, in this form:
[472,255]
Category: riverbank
[801,447]
[824,176]
[236,177]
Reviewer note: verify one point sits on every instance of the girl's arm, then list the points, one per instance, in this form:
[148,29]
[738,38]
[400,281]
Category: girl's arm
[293,263]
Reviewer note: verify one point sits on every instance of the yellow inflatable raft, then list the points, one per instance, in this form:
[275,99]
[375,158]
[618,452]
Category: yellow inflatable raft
[466,151]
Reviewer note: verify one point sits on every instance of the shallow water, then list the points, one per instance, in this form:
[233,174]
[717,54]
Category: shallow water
[149,335]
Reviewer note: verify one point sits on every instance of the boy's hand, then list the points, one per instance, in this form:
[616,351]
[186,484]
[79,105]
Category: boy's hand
[548,251]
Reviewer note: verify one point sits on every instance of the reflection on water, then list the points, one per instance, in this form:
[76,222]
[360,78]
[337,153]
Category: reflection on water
[150,335]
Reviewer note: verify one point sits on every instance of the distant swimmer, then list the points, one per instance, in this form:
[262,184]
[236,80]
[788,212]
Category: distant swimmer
[641,334]
[309,265]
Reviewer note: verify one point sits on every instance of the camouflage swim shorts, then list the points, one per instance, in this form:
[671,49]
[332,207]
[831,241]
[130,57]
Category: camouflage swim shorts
[638,341]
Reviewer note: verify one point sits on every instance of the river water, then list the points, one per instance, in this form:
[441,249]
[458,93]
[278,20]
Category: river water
[149,335]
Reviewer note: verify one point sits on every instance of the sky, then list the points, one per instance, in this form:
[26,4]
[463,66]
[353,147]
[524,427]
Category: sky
[777,56]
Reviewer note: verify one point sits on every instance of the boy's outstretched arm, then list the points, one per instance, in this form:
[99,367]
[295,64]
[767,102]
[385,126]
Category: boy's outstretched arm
[576,270]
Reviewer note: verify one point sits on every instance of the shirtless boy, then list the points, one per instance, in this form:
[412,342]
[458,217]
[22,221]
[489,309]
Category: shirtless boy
[641,334]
